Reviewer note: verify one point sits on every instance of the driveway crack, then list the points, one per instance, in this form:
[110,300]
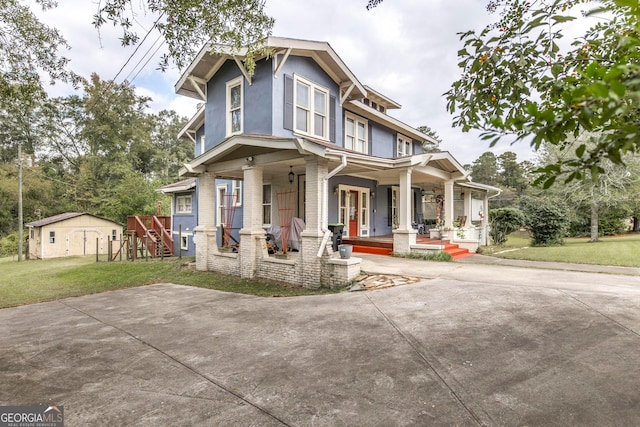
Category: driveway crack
[591,308]
[429,362]
[184,365]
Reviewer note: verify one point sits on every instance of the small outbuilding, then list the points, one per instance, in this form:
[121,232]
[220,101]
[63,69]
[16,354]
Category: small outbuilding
[71,234]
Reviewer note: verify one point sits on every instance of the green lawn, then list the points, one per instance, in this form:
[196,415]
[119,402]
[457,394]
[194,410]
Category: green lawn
[45,280]
[623,250]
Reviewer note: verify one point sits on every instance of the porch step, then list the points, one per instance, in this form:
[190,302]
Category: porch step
[374,250]
[456,251]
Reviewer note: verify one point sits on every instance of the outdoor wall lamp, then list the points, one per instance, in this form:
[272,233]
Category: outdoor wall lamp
[291,175]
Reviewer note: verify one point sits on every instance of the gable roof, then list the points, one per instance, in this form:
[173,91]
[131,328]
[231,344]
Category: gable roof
[211,57]
[62,217]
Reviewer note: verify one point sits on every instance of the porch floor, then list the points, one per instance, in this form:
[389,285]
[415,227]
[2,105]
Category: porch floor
[383,245]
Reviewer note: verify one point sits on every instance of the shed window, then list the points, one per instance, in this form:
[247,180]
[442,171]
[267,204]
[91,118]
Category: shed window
[52,237]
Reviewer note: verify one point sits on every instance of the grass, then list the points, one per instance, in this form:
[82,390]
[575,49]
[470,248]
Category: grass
[45,280]
[622,250]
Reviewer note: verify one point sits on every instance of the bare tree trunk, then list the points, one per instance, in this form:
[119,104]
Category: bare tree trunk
[594,222]
[636,224]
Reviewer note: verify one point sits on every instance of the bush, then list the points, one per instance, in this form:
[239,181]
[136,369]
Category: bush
[9,245]
[504,221]
[547,220]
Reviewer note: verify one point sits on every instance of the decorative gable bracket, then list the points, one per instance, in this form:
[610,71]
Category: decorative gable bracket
[244,71]
[200,86]
[345,91]
[277,65]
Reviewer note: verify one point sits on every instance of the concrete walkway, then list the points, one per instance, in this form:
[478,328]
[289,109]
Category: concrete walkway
[469,345]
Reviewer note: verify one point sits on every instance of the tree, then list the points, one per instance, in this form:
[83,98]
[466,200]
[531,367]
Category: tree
[519,81]
[504,221]
[188,25]
[27,48]
[511,172]
[597,194]
[485,169]
[430,146]
[169,152]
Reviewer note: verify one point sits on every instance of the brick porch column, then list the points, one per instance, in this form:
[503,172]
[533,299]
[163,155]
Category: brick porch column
[252,235]
[311,265]
[205,232]
[405,235]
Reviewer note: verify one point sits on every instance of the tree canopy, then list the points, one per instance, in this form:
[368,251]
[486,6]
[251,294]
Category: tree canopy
[519,79]
[28,48]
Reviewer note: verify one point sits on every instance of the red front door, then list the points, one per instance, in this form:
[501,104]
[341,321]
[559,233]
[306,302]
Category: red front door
[353,213]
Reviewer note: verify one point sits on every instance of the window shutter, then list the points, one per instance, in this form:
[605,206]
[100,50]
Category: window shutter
[389,210]
[332,119]
[288,102]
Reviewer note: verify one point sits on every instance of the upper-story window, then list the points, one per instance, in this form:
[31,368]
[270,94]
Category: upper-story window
[234,106]
[404,147]
[202,144]
[311,108]
[355,134]
[183,204]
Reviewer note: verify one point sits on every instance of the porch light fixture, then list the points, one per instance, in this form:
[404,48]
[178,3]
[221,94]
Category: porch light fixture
[291,175]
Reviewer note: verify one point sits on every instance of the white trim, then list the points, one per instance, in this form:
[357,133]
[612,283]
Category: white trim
[356,121]
[236,189]
[363,227]
[184,237]
[244,71]
[404,146]
[310,108]
[185,196]
[220,203]
[231,84]
[270,204]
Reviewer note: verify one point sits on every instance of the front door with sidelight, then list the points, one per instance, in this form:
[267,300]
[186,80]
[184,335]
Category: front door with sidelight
[353,213]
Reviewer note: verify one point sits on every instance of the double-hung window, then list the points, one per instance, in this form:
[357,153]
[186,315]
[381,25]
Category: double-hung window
[355,134]
[266,204]
[311,109]
[404,147]
[234,106]
[183,204]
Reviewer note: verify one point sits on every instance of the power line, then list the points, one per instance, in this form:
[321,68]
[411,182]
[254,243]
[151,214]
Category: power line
[150,57]
[143,57]
[140,44]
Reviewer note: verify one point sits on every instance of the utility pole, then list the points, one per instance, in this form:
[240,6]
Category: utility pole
[20,226]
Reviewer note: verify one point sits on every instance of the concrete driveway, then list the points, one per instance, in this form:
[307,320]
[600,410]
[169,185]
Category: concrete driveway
[469,345]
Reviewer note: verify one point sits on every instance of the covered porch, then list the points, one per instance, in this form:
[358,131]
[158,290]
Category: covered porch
[376,198]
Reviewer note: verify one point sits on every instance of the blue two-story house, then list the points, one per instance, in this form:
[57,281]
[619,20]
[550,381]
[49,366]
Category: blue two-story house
[302,138]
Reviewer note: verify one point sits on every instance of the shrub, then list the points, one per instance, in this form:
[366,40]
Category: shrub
[546,219]
[504,221]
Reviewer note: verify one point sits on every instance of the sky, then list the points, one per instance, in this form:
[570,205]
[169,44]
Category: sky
[405,49]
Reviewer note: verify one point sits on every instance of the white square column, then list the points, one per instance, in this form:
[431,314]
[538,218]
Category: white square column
[468,207]
[405,235]
[252,235]
[448,204]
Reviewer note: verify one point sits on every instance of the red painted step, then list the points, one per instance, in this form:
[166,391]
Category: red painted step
[374,250]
